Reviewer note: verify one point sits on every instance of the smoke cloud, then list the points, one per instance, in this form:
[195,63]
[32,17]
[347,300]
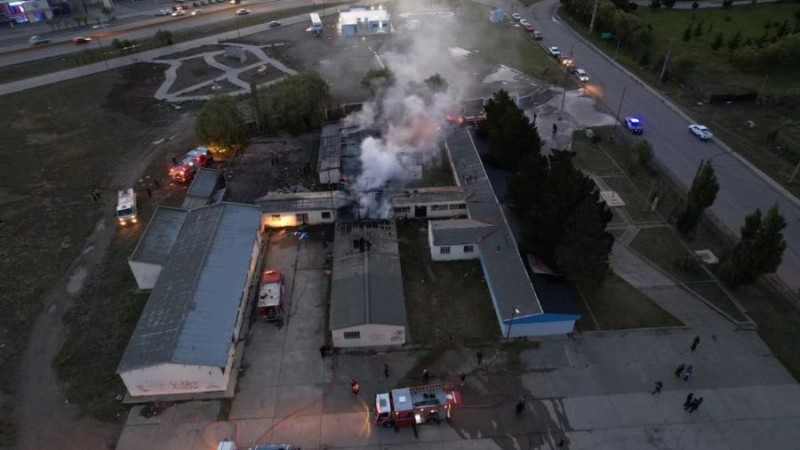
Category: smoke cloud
[407,114]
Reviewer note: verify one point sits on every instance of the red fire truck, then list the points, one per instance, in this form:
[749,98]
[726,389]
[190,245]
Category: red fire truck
[184,169]
[415,405]
[270,296]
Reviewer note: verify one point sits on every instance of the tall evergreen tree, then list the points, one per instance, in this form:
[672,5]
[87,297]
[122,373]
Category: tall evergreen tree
[759,250]
[702,195]
[586,245]
[511,134]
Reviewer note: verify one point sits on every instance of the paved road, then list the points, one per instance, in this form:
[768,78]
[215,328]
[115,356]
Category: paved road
[17,50]
[743,188]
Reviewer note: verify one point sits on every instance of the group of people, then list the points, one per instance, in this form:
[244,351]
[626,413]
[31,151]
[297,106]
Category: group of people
[683,371]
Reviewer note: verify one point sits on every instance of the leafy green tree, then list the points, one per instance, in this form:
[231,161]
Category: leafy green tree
[695,5]
[719,41]
[668,3]
[698,29]
[220,125]
[702,195]
[641,155]
[655,4]
[377,80]
[509,131]
[436,83]
[163,37]
[759,250]
[687,33]
[297,104]
[682,68]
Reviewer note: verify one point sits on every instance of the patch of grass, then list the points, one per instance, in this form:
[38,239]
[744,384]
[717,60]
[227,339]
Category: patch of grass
[663,248]
[446,301]
[715,75]
[635,203]
[193,71]
[619,306]
[506,44]
[711,291]
[778,320]
[591,157]
[99,325]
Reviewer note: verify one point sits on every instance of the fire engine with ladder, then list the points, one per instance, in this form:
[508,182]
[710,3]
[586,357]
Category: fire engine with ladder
[416,405]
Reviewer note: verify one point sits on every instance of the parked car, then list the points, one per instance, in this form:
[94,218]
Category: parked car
[516,17]
[524,22]
[554,52]
[634,125]
[242,12]
[528,27]
[180,1]
[700,131]
[572,68]
[581,75]
[36,40]
[274,24]
[163,12]
[178,13]
[197,12]
[196,4]
[81,40]
[537,35]
[184,7]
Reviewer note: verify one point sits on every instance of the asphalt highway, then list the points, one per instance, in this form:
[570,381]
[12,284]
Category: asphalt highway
[742,187]
[19,50]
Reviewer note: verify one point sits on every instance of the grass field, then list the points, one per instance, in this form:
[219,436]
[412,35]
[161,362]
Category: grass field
[619,306]
[445,301]
[662,247]
[715,75]
[69,138]
[711,291]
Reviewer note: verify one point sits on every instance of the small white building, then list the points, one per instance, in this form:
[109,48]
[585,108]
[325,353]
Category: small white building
[367,301]
[457,239]
[300,208]
[155,245]
[185,340]
[360,21]
[427,203]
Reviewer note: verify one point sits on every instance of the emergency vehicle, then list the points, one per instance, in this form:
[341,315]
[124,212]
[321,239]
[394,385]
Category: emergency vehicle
[127,212]
[270,296]
[184,169]
[415,405]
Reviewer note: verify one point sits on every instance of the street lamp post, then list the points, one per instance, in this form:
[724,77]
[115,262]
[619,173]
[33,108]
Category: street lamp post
[619,108]
[666,61]
[511,322]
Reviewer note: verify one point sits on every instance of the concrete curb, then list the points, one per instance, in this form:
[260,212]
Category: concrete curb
[788,196]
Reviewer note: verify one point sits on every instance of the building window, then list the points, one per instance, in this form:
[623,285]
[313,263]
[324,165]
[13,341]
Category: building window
[438,207]
[276,217]
[326,215]
[468,249]
[352,335]
[444,250]
[402,209]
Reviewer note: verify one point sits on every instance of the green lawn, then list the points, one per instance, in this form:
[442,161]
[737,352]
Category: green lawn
[591,157]
[619,306]
[635,203]
[714,74]
[663,248]
[711,291]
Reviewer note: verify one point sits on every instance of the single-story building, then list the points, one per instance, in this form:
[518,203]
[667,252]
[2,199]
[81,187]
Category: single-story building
[457,239]
[300,208]
[359,20]
[155,245]
[434,202]
[367,301]
[517,305]
[186,336]
[207,187]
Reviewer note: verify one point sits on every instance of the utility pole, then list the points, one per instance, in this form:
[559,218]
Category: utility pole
[594,14]
[666,61]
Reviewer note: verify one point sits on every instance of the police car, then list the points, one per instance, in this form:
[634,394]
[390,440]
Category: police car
[634,125]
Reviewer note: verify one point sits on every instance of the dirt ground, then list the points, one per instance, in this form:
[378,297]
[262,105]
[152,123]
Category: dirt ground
[97,132]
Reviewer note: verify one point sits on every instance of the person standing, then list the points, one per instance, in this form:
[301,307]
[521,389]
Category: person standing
[657,390]
[463,378]
[688,401]
[354,386]
[555,129]
[695,404]
[386,370]
[695,342]
[688,373]
[520,406]
[479,355]
[426,376]
[322,351]
[679,370]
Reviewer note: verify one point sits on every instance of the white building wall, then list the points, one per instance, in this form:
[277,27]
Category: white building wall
[165,379]
[146,274]
[369,335]
[454,252]
[292,219]
[432,210]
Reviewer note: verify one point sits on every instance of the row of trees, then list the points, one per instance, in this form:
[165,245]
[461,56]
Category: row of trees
[563,217]
[296,104]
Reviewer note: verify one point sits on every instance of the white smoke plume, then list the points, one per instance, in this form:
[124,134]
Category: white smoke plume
[407,114]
